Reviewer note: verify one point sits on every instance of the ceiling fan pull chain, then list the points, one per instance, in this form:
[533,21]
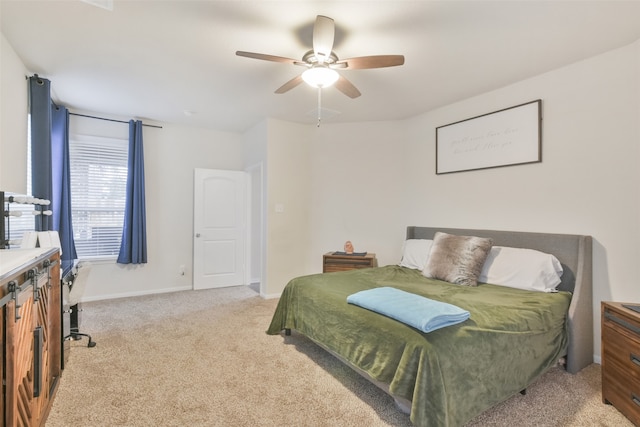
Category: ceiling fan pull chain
[319,105]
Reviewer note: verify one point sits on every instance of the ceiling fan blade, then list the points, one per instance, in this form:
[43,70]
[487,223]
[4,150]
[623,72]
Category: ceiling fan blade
[375,61]
[346,87]
[267,57]
[323,34]
[290,84]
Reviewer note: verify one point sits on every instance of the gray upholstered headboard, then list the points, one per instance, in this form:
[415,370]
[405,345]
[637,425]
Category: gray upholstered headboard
[575,254]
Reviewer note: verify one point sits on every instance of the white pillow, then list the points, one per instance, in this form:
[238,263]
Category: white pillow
[521,268]
[415,253]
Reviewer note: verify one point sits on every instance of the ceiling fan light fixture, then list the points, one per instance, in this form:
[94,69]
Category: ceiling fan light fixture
[322,62]
[320,76]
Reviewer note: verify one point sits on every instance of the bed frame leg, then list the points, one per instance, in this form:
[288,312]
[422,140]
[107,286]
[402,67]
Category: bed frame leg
[287,331]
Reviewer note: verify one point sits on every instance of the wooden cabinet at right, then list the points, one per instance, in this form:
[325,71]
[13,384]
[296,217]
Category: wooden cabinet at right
[621,359]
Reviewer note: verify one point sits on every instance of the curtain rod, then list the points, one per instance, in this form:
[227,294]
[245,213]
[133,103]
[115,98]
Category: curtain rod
[90,117]
[110,120]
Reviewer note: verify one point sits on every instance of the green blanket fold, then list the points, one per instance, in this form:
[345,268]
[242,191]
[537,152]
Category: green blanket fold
[450,374]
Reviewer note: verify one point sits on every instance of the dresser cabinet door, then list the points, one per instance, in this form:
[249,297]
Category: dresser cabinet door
[20,324]
[32,342]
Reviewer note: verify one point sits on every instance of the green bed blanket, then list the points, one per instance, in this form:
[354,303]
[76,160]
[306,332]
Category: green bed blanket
[451,374]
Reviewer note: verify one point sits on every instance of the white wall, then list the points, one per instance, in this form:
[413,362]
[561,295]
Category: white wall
[358,189]
[13,119]
[288,234]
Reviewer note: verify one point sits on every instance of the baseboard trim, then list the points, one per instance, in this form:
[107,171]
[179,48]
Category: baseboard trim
[270,296]
[136,294]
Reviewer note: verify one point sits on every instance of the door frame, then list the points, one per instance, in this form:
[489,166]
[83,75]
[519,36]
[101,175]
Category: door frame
[253,240]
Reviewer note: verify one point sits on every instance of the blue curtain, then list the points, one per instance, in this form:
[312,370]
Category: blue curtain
[40,110]
[50,163]
[61,182]
[133,249]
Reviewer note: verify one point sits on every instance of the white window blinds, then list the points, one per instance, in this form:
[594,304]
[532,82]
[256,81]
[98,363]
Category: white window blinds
[98,191]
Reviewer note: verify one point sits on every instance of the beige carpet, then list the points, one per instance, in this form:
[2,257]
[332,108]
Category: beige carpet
[202,358]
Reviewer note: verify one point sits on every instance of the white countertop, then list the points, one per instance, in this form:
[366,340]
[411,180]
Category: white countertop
[10,259]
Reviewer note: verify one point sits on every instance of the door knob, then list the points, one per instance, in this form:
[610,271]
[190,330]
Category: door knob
[197,234]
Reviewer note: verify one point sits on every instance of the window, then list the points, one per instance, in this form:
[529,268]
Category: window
[98,190]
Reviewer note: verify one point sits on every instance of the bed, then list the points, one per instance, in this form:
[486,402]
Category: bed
[446,377]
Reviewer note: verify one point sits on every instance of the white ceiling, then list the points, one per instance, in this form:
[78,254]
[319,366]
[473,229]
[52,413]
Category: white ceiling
[155,59]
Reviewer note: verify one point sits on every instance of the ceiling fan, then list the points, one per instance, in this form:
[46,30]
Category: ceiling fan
[321,62]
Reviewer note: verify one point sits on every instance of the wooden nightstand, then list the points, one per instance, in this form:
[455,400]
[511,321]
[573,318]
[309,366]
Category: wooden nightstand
[621,359]
[331,262]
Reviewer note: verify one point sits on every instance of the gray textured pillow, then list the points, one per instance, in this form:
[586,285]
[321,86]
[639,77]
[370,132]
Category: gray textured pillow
[457,259]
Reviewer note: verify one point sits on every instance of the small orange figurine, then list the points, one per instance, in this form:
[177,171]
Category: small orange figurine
[348,247]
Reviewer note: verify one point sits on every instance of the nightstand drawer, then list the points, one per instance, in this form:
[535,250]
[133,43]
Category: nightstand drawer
[332,263]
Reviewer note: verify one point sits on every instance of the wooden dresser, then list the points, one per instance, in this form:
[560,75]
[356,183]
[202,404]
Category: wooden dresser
[621,359]
[31,334]
[331,262]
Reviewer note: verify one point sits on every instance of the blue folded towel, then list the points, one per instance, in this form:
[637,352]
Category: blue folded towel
[422,313]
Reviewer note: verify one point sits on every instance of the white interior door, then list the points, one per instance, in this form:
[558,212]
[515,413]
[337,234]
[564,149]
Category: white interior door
[219,227]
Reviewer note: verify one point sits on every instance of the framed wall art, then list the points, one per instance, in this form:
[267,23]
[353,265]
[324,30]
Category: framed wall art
[512,136]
